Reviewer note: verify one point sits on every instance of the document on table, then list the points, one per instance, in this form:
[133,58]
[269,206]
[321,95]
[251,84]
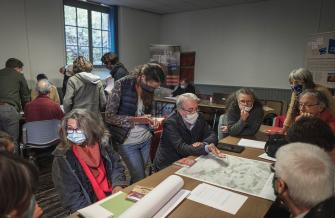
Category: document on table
[218,198]
[251,143]
[267,157]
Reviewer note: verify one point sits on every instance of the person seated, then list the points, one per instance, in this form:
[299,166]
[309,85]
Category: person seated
[7,142]
[300,80]
[304,180]
[42,108]
[184,87]
[53,94]
[185,133]
[84,89]
[314,131]
[18,181]
[85,167]
[244,115]
[117,69]
[313,103]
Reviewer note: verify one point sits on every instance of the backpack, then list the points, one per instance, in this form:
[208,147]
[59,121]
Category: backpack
[273,143]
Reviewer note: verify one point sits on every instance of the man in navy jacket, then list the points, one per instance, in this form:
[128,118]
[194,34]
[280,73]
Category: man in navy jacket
[185,133]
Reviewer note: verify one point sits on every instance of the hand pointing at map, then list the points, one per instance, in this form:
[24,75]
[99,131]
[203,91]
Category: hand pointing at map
[214,150]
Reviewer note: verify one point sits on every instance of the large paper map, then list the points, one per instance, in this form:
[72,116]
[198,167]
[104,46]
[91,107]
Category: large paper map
[236,173]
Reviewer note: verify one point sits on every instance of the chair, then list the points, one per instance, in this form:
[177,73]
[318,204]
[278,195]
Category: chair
[39,135]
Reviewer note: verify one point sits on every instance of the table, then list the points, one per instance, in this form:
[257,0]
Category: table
[254,207]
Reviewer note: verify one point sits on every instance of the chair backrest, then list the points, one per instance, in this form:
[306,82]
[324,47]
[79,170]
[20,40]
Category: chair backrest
[220,98]
[41,132]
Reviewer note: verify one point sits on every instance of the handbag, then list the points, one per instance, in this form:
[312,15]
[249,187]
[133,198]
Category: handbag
[273,143]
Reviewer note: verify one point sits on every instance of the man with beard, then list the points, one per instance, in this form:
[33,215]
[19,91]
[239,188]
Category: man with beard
[127,116]
[185,133]
[117,69]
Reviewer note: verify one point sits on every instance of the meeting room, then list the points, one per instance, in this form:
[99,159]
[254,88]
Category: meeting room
[167,108]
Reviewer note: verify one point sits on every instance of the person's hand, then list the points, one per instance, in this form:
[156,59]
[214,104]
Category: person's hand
[303,115]
[283,131]
[197,144]
[224,129]
[244,115]
[116,189]
[214,150]
[38,211]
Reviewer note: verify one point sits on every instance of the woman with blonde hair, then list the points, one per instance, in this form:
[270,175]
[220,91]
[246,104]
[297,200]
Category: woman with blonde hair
[84,89]
[85,167]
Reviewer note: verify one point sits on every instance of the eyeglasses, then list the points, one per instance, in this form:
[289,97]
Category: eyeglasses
[191,110]
[74,130]
[307,105]
[246,101]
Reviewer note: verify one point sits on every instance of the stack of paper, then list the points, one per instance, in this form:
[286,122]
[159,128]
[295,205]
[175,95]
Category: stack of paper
[251,143]
[218,198]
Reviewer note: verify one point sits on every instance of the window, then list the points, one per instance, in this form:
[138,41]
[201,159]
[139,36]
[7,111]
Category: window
[90,31]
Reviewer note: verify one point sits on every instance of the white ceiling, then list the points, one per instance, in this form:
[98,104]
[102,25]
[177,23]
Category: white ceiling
[173,6]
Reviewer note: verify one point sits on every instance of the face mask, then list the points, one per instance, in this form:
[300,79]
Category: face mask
[147,88]
[245,108]
[191,118]
[297,88]
[29,213]
[76,138]
[183,86]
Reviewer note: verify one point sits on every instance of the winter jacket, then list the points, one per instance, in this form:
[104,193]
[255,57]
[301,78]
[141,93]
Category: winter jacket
[84,90]
[71,182]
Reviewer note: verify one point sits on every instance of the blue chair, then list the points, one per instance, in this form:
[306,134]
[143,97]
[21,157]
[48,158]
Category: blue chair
[39,135]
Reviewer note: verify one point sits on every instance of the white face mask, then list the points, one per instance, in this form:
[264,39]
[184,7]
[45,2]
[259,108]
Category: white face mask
[245,108]
[183,86]
[191,118]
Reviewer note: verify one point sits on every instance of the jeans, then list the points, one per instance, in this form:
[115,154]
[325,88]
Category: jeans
[136,157]
[9,121]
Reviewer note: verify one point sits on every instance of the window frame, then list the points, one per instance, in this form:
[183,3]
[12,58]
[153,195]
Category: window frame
[112,24]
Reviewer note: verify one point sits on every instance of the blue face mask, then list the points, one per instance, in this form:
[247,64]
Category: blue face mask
[147,88]
[76,138]
[297,88]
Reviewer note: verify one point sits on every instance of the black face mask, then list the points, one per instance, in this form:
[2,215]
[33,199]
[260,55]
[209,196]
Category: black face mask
[147,88]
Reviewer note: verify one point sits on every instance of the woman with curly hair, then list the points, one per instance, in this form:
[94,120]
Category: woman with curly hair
[244,115]
[85,167]
[84,89]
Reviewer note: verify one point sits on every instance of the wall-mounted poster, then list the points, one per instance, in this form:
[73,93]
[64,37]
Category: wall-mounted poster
[320,58]
[169,57]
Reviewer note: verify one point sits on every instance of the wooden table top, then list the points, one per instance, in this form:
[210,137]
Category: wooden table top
[254,207]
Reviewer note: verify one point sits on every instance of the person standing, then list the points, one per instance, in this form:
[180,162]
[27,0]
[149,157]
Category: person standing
[84,89]
[14,94]
[117,69]
[127,116]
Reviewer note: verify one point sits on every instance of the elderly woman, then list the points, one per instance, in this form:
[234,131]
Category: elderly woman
[84,89]
[301,79]
[85,167]
[244,115]
[18,180]
[313,103]
[127,114]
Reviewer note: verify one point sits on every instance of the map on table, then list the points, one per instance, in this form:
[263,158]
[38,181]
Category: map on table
[240,174]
